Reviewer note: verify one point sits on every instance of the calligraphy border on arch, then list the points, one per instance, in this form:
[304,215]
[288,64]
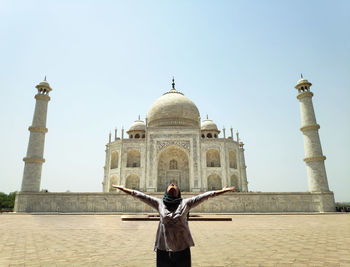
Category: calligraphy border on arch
[181,143]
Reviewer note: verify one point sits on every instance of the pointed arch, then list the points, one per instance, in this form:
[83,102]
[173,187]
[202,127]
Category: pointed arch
[213,158]
[132,182]
[133,159]
[114,160]
[233,159]
[214,182]
[170,157]
[234,181]
[113,180]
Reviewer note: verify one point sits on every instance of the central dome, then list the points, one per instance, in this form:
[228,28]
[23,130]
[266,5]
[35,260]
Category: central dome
[173,109]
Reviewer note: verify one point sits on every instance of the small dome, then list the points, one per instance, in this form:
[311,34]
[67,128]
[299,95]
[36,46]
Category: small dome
[208,125]
[173,109]
[45,85]
[302,80]
[138,125]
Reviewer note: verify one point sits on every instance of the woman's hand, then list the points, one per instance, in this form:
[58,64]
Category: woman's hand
[229,189]
[225,190]
[118,186]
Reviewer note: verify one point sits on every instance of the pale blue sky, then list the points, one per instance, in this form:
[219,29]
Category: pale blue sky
[108,61]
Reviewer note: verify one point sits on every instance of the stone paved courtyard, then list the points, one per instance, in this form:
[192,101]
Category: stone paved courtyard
[104,240]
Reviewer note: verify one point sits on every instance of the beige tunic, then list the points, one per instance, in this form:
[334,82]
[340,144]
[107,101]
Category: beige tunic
[173,233]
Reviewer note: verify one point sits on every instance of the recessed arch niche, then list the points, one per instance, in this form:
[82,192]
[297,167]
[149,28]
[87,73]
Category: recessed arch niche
[213,158]
[114,160]
[233,159]
[234,181]
[112,180]
[132,182]
[133,159]
[214,182]
[168,174]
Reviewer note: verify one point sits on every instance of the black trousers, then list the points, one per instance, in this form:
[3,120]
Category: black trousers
[174,259]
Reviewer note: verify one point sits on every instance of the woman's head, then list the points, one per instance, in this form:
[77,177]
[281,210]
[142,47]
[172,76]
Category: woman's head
[173,190]
[172,197]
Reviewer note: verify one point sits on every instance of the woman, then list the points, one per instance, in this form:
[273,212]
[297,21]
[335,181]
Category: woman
[173,239]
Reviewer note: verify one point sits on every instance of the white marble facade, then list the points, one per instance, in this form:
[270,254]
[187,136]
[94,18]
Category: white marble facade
[173,145]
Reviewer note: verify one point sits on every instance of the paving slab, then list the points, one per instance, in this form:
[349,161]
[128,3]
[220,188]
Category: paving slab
[106,240]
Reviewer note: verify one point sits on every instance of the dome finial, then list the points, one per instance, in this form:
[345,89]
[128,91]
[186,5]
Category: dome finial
[301,76]
[173,84]
[207,117]
[45,78]
[139,116]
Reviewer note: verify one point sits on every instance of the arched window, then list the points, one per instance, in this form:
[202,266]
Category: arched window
[209,135]
[112,180]
[214,182]
[137,136]
[215,135]
[213,158]
[130,136]
[132,182]
[143,136]
[173,165]
[133,158]
[114,160]
[234,181]
[203,136]
[233,159]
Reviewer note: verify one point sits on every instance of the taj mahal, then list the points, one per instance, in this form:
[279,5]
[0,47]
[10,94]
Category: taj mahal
[174,145]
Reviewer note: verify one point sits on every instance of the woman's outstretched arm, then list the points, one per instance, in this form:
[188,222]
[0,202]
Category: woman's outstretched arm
[151,201]
[196,200]
[124,189]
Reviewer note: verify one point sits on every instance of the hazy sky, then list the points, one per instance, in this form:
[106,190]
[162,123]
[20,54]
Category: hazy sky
[238,61]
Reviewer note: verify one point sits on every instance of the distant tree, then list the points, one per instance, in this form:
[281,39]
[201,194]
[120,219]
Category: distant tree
[7,202]
[11,199]
[3,200]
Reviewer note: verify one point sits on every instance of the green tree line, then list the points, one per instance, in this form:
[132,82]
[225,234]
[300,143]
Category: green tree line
[7,202]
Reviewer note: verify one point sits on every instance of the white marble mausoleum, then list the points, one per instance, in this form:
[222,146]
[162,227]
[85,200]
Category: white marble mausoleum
[173,145]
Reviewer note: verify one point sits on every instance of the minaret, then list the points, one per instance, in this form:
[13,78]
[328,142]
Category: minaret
[35,152]
[314,159]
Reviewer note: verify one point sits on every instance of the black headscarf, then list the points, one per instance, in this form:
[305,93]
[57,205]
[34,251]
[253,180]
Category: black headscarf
[172,202]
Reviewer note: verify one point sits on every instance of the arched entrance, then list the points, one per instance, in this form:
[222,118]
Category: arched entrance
[173,167]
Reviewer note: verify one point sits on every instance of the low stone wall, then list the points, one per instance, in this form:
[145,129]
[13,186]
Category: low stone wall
[227,203]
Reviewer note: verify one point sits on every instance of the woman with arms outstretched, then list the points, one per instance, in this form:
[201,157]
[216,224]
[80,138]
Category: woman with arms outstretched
[173,239]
